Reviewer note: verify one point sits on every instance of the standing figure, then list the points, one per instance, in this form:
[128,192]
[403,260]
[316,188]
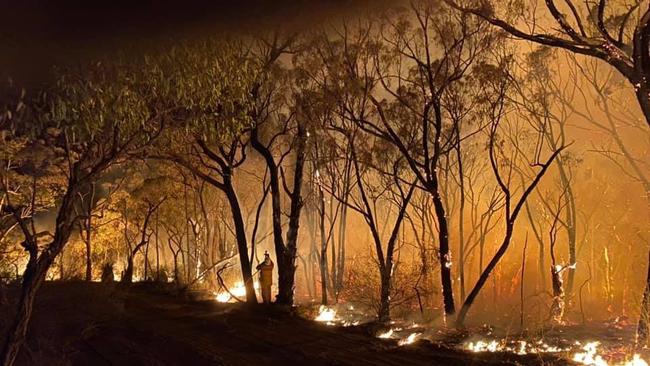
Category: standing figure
[266,277]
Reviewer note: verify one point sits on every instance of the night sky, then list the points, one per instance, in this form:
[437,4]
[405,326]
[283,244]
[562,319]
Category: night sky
[34,35]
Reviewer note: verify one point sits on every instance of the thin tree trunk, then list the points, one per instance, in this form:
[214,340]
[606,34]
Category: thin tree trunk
[146,261]
[642,330]
[461,218]
[89,263]
[324,275]
[157,247]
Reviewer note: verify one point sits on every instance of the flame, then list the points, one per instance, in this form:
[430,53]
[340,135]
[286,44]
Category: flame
[590,355]
[586,355]
[325,314]
[482,346]
[386,335]
[408,340]
[238,291]
[636,361]
[223,297]
[519,347]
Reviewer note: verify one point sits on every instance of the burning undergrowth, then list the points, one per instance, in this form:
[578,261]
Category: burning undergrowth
[577,344]
[343,315]
[589,344]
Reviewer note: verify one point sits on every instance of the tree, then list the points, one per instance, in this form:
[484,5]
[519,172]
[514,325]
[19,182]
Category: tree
[89,124]
[367,207]
[90,209]
[616,34]
[141,236]
[505,159]
[271,113]
[396,88]
[208,138]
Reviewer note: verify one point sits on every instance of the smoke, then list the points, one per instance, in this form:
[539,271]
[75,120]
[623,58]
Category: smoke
[36,35]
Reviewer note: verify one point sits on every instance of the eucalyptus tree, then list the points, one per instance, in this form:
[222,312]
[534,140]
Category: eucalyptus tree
[387,190]
[614,32]
[210,94]
[508,157]
[392,77]
[279,128]
[91,120]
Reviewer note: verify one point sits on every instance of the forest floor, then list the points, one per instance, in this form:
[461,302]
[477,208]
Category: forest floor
[79,323]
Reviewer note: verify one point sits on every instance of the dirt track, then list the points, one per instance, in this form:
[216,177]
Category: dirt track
[93,324]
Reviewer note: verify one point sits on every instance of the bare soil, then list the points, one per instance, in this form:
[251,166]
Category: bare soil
[78,323]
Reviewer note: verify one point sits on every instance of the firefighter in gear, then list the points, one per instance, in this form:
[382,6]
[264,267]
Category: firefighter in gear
[266,277]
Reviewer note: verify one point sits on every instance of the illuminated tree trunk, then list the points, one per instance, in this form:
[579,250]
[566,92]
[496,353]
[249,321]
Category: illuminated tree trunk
[146,262]
[324,271]
[338,281]
[642,330]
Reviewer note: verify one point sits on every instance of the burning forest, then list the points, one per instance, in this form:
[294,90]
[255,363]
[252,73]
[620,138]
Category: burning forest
[330,183]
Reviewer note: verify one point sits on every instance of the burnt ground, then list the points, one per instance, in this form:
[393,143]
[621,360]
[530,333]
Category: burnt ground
[97,324]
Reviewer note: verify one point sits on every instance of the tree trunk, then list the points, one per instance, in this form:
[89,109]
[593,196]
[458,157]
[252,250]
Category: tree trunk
[485,275]
[444,255]
[35,273]
[384,297]
[558,305]
[338,285]
[146,261]
[32,280]
[287,277]
[642,327]
[157,247]
[242,245]
[324,275]
[89,265]
[128,272]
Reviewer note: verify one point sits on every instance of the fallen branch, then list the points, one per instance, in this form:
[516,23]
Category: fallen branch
[222,284]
